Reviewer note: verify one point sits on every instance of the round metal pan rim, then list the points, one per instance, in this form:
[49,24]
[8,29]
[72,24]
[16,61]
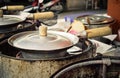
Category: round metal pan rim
[12,38]
[109,19]
[21,19]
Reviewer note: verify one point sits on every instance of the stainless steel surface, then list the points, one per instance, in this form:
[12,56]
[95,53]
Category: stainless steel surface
[96,19]
[22,26]
[10,19]
[53,41]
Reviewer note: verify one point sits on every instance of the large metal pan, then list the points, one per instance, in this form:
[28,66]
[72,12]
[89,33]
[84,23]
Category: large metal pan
[96,19]
[23,25]
[10,20]
[53,45]
[31,41]
[13,20]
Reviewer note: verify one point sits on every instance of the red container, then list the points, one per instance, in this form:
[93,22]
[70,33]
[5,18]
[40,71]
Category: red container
[114,11]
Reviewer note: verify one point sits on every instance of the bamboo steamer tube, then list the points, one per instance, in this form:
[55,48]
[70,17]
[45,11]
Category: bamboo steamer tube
[43,15]
[15,7]
[102,31]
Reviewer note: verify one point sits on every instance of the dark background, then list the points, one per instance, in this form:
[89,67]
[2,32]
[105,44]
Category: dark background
[102,3]
[21,2]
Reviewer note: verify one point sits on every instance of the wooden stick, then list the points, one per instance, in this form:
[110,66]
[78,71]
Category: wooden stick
[102,31]
[43,31]
[15,7]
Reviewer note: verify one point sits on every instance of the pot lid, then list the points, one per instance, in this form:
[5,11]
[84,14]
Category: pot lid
[10,19]
[54,40]
[95,19]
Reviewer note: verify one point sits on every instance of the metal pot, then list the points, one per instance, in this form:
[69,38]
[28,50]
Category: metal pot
[48,22]
[31,42]
[54,44]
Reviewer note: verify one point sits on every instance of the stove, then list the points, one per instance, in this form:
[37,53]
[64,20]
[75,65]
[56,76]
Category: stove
[52,55]
[13,60]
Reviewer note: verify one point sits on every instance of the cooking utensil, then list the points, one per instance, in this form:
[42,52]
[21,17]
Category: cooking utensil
[44,44]
[91,33]
[13,7]
[50,44]
[98,32]
[36,66]
[48,22]
[26,25]
[12,20]
[96,19]
[31,41]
